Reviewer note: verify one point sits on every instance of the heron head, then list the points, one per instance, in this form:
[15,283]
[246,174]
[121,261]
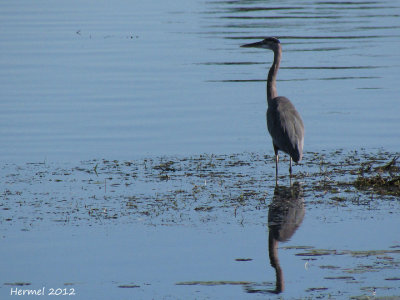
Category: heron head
[270,43]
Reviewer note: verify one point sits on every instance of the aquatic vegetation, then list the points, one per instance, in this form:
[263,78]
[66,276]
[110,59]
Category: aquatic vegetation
[128,286]
[217,282]
[386,185]
[190,189]
[316,289]
[17,283]
[216,190]
[383,179]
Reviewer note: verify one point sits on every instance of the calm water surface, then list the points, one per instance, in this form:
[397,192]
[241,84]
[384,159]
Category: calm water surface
[84,80]
[126,232]
[91,79]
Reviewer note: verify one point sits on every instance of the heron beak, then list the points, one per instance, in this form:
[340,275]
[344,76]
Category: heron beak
[253,45]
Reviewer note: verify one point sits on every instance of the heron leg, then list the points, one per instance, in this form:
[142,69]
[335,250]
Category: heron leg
[276,163]
[290,167]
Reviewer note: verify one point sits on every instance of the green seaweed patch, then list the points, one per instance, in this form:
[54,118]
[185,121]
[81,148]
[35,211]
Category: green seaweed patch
[389,167]
[297,247]
[318,252]
[340,278]
[365,297]
[166,166]
[316,289]
[362,269]
[385,185]
[338,199]
[373,252]
[17,283]
[388,184]
[128,286]
[329,267]
[215,282]
[372,288]
[243,259]
[355,253]
[204,208]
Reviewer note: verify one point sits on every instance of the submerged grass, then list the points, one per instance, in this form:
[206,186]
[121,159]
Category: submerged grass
[383,179]
[215,282]
[385,185]
[197,189]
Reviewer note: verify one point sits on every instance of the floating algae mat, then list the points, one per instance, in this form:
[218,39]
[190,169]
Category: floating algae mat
[206,226]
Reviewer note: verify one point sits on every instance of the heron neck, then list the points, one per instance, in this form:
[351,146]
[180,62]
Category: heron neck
[274,260]
[273,71]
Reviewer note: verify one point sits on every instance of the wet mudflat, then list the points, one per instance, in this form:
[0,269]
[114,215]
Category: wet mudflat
[204,227]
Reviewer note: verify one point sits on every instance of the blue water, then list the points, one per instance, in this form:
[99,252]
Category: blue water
[127,79]
[121,80]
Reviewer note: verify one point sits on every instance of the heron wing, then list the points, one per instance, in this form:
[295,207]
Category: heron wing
[286,127]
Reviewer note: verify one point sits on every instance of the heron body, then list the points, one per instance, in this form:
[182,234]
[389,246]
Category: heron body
[283,120]
[286,127]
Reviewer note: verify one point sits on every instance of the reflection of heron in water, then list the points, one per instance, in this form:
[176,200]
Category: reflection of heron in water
[284,122]
[286,212]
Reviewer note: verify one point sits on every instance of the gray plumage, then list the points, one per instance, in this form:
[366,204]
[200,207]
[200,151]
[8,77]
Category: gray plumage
[283,121]
[286,127]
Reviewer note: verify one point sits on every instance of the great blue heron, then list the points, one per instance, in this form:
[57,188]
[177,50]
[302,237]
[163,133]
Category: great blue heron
[284,122]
